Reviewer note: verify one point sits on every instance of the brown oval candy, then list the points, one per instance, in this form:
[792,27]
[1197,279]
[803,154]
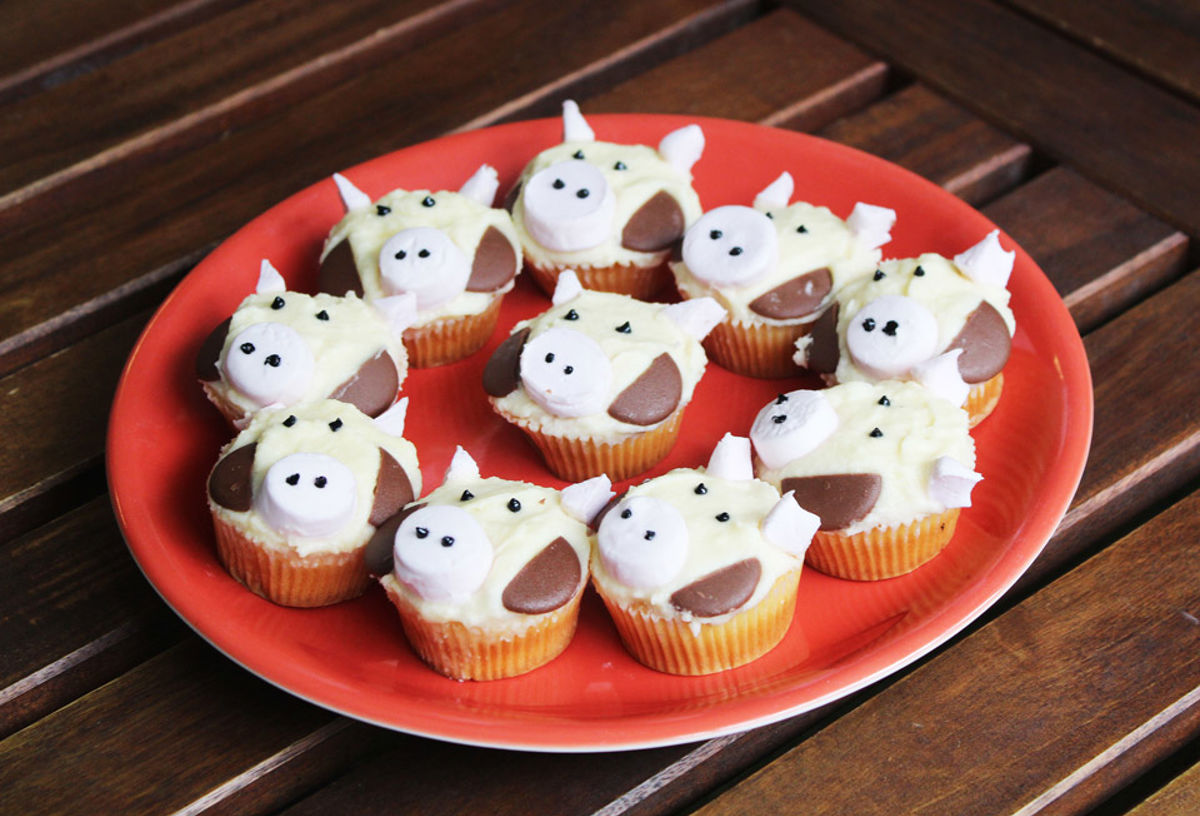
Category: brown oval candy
[823,352]
[655,226]
[798,297]
[379,552]
[510,200]
[985,342]
[652,396]
[613,502]
[393,489]
[229,483]
[547,582]
[840,499]
[502,374]
[210,352]
[372,389]
[495,263]
[721,591]
[339,273]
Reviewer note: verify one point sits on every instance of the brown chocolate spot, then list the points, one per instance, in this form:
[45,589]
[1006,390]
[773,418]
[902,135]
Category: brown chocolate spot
[393,490]
[510,200]
[823,353]
[371,389]
[210,352]
[547,582]
[229,483]
[339,272]
[495,263]
[378,553]
[798,297]
[613,502]
[985,343]
[721,591]
[652,396]
[840,499]
[655,226]
[502,374]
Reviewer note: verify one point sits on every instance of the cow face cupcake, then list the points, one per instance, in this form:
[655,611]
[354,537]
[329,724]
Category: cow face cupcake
[611,212]
[281,348]
[699,567]
[599,381]
[296,496]
[775,267]
[452,251]
[945,324]
[487,573]
[885,466]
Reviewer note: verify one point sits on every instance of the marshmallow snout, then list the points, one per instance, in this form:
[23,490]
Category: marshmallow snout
[731,246]
[269,363]
[643,542]
[890,335]
[569,206]
[425,262]
[442,553]
[566,372]
[307,494]
[791,426]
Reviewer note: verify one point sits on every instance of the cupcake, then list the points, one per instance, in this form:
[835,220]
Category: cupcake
[452,250]
[297,495]
[599,381]
[775,267]
[487,574]
[280,348]
[885,466]
[611,212]
[699,567]
[945,324]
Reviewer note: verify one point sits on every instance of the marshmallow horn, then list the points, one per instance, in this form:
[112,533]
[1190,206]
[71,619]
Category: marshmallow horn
[776,194]
[987,262]
[696,317]
[575,127]
[583,500]
[567,287]
[951,482]
[400,311]
[352,197]
[269,279]
[941,376]
[462,467]
[731,459]
[391,421]
[682,148]
[789,526]
[482,186]
[871,225]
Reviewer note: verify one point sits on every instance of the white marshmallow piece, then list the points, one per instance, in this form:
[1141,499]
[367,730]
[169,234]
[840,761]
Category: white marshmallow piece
[791,426]
[643,542]
[871,225]
[269,279]
[424,261]
[890,335]
[462,467]
[682,148]
[442,553]
[482,186]
[730,459]
[941,376]
[776,194]
[566,372]
[987,262]
[352,197]
[392,420]
[696,317]
[269,362]
[569,206]
[951,482]
[583,500]
[399,311]
[731,246]
[310,495]
[789,526]
[575,127]
[566,287]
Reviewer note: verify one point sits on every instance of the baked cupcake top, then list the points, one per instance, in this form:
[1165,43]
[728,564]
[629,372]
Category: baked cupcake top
[282,348]
[489,551]
[600,365]
[864,455]
[700,544]
[452,250]
[315,478]
[588,203]
[943,323]
[777,263]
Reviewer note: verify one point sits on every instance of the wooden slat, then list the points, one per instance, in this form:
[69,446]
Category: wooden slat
[1053,693]
[1128,134]
[1181,797]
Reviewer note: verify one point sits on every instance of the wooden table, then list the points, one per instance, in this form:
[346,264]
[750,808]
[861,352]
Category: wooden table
[135,137]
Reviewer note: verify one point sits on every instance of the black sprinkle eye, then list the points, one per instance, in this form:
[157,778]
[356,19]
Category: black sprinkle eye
[558,184]
[320,481]
[467,495]
[625,328]
[550,357]
[715,234]
[247,348]
[380,209]
[514,505]
[701,489]
[427,201]
[333,426]
[919,272]
[293,480]
[779,419]
[736,251]
[424,253]
[582,193]
[876,433]
[781,399]
[447,541]
[401,255]
[422,532]
[273,360]
[801,229]
[571,315]
[322,315]
[626,513]
[878,275]
[890,327]
[884,401]
[869,324]
[620,166]
[277,303]
[722,517]
[650,534]
[771,216]
[569,370]
[578,154]
[290,421]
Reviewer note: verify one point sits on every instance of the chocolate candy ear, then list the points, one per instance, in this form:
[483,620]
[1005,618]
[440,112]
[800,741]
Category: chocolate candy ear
[372,389]
[985,342]
[210,352]
[823,354]
[800,296]
[652,396]
[840,499]
[721,591]
[510,200]
[655,226]
[339,272]
[495,263]
[393,490]
[613,502]
[502,374]
[229,483]
[547,582]
[378,553]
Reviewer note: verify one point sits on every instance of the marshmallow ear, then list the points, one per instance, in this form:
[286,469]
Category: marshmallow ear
[567,287]
[584,500]
[871,225]
[269,279]
[575,127]
[482,186]
[941,376]
[682,148]
[731,459]
[400,311]
[951,482]
[776,194]
[987,262]
[391,421]
[696,317]
[462,467]
[352,197]
[789,526]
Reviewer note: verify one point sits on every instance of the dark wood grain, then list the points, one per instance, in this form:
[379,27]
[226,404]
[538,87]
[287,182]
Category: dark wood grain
[1181,797]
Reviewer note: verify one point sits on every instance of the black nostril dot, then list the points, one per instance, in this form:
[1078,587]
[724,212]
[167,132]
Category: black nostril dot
[779,419]
[294,479]
[650,534]
[424,253]
[550,357]
[558,184]
[582,193]
[626,513]
[401,255]
[447,541]
[890,327]
[422,532]
[320,481]
[247,348]
[569,370]
[736,251]
[715,234]
[869,324]
[273,360]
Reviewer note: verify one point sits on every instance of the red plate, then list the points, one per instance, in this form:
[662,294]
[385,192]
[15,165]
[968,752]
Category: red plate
[353,658]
